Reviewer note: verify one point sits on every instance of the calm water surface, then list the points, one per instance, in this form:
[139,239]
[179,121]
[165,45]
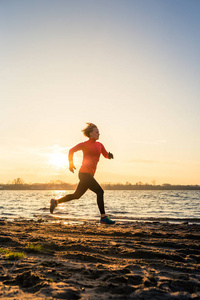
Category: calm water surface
[121,205]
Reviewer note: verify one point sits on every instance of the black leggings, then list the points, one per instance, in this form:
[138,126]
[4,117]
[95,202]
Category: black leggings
[87,181]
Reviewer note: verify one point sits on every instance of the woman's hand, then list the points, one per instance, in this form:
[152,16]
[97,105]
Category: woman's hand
[110,155]
[72,167]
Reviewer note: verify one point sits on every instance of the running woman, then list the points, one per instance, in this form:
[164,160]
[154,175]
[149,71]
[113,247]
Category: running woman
[91,153]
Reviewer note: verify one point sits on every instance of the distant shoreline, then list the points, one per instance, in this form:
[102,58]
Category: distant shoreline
[67,186]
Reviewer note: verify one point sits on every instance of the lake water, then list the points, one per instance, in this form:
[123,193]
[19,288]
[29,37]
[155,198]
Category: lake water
[126,206]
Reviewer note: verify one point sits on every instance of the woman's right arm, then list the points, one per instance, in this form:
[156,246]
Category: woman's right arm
[71,154]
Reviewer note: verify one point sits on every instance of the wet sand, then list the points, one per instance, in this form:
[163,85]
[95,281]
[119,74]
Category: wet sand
[92,261]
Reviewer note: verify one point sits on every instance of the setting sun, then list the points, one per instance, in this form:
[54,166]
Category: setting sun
[58,160]
[146,106]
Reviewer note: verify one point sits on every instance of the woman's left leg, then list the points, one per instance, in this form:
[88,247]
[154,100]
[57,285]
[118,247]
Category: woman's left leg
[94,186]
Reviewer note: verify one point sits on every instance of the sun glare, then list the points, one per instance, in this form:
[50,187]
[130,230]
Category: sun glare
[58,160]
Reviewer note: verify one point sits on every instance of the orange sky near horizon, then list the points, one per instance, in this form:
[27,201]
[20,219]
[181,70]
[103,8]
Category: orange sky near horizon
[130,67]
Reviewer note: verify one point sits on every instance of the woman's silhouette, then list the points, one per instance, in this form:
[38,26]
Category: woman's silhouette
[91,153]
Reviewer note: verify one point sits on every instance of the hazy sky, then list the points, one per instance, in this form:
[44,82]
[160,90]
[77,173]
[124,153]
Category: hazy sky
[130,66]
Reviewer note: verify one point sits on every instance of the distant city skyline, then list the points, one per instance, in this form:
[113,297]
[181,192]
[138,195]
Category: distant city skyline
[130,67]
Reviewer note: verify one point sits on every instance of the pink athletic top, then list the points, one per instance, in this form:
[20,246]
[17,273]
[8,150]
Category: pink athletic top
[91,153]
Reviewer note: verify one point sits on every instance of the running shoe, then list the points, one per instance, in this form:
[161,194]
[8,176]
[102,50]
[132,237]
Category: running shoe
[107,220]
[53,204]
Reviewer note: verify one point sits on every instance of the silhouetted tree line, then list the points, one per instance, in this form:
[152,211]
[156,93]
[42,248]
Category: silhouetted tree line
[145,186]
[19,184]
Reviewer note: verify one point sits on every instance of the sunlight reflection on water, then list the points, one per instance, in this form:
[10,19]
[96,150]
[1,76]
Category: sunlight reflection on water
[130,205]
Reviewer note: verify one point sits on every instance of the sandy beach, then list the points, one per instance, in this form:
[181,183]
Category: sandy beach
[141,260]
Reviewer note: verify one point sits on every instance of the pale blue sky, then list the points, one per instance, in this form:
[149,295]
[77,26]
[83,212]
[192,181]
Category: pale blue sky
[131,67]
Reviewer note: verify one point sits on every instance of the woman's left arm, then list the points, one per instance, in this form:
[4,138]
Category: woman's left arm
[105,153]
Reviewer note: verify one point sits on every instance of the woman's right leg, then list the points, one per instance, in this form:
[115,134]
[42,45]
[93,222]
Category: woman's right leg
[80,190]
[86,181]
